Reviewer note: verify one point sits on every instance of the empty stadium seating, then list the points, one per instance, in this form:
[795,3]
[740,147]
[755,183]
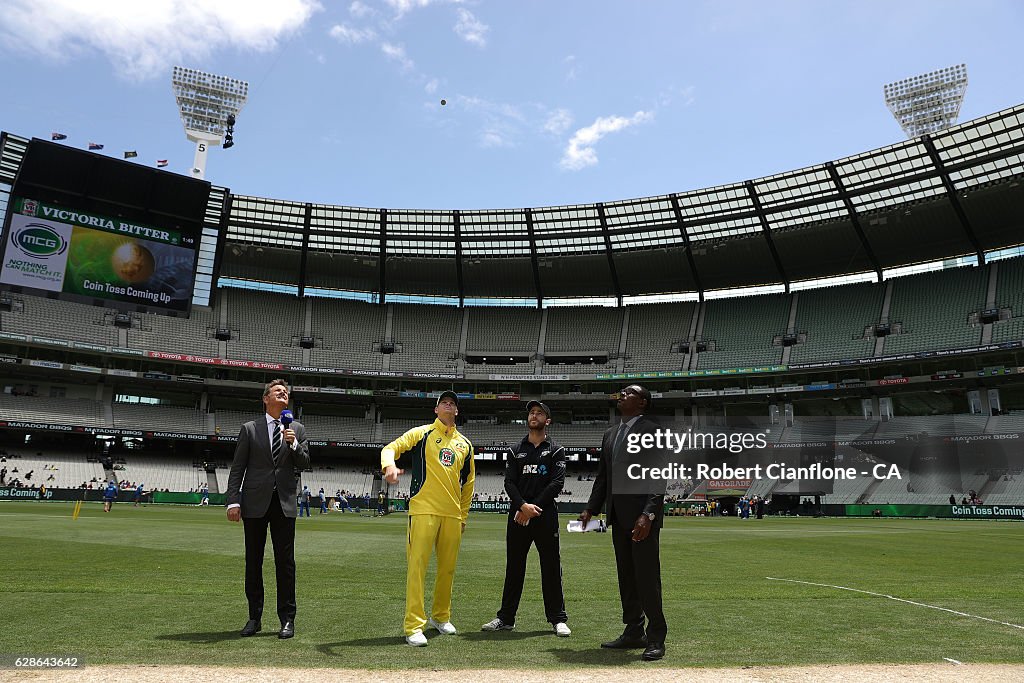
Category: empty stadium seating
[504,329]
[653,329]
[834,320]
[193,335]
[583,328]
[1010,294]
[61,320]
[934,308]
[339,428]
[346,332]
[69,411]
[743,329]
[163,418]
[157,472]
[1005,490]
[265,327]
[428,337]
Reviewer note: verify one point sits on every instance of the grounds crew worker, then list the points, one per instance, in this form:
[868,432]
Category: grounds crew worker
[443,473]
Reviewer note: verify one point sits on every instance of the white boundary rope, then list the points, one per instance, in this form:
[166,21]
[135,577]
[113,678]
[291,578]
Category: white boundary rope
[892,597]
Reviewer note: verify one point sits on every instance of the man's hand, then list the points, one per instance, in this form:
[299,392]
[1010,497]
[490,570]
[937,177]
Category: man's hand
[391,476]
[521,519]
[463,525]
[235,514]
[289,435]
[642,528]
[585,517]
[529,510]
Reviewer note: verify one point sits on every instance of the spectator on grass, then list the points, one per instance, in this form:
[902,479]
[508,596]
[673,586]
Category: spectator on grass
[109,496]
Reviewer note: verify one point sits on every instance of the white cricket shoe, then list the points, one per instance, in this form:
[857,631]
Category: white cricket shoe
[497,625]
[444,628]
[416,639]
[562,630]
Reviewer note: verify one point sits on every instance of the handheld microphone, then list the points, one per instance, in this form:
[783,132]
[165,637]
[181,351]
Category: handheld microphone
[286,418]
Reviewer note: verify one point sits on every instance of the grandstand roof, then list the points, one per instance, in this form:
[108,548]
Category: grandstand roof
[951,194]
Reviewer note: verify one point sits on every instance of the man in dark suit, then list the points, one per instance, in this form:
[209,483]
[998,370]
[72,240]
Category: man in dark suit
[261,492]
[635,518]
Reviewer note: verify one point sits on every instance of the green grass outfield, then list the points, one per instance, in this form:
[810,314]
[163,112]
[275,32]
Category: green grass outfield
[163,585]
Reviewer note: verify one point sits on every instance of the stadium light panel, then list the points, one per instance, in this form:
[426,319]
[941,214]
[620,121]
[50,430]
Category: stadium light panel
[927,103]
[209,105]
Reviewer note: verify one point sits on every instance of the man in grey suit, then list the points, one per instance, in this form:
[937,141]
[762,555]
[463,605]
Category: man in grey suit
[261,493]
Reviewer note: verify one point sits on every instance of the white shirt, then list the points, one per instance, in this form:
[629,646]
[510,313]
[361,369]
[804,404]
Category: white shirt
[628,424]
[270,431]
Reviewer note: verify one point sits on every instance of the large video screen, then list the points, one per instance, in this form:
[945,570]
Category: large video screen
[56,249]
[97,230]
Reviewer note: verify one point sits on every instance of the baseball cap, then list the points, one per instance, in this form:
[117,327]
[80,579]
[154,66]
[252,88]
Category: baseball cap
[448,394]
[531,404]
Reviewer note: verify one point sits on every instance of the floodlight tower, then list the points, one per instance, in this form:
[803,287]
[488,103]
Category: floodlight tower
[208,104]
[928,103]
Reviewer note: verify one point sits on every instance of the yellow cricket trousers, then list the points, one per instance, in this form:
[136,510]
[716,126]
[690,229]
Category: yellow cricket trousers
[427,532]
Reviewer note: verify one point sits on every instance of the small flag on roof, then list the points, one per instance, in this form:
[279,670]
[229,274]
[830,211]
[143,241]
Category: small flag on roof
[95,145]
[58,136]
[160,163]
[131,155]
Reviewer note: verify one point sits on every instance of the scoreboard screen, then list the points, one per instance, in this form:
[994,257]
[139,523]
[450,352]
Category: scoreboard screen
[88,228]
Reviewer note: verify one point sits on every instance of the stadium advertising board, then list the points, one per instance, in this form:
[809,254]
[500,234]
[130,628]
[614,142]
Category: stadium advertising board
[90,256]
[24,494]
[490,506]
[943,511]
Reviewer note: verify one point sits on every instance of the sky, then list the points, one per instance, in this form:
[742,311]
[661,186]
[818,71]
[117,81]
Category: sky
[549,102]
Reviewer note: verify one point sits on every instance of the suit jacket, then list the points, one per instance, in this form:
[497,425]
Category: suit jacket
[253,474]
[625,508]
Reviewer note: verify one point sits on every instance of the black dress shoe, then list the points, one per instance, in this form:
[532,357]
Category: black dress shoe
[287,630]
[251,628]
[654,652]
[625,642]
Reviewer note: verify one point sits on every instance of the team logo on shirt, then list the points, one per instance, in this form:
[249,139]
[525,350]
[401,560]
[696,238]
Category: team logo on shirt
[543,469]
[446,456]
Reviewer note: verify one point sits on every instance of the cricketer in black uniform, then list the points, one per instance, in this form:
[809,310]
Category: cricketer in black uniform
[534,476]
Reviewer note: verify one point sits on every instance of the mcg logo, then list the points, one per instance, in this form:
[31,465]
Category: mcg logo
[39,241]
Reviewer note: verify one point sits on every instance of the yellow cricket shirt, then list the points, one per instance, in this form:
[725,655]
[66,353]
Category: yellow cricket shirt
[442,467]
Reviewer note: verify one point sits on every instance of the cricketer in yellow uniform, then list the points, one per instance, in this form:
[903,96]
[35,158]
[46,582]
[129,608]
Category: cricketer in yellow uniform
[443,475]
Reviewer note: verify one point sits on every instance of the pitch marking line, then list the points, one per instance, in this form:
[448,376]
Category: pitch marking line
[892,597]
[953,661]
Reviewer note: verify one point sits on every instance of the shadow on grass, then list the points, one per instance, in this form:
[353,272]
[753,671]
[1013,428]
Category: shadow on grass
[331,649]
[212,637]
[596,656]
[497,636]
